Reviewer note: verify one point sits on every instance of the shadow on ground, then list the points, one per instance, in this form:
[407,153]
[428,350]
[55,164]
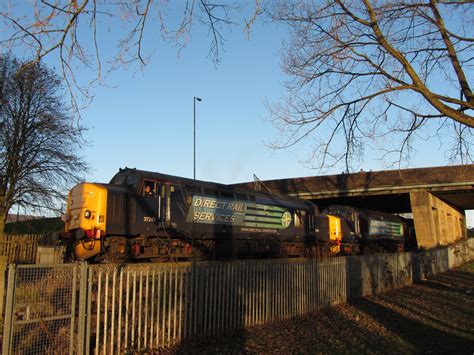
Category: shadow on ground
[434,316]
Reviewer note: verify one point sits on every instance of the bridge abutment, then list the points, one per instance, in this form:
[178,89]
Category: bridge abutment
[436,222]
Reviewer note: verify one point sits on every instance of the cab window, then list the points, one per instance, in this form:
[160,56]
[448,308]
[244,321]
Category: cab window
[150,188]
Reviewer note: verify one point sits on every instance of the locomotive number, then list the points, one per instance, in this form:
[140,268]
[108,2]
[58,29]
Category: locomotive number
[149,219]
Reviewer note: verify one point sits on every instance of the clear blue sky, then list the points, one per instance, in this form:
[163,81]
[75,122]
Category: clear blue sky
[144,119]
[147,120]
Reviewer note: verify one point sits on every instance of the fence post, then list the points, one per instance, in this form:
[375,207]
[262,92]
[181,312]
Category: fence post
[7,329]
[82,317]
[3,270]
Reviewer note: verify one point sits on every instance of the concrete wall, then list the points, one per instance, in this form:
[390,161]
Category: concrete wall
[461,253]
[436,222]
[50,255]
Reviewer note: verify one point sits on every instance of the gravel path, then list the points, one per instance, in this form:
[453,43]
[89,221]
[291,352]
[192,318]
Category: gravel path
[434,316]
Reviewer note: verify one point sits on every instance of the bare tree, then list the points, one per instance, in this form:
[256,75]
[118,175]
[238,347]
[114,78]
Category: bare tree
[38,142]
[376,73]
[78,33]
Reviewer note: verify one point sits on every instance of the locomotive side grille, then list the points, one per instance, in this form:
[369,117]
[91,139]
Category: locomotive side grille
[121,207]
[115,205]
[132,211]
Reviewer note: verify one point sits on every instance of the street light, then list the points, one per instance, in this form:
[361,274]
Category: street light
[194,125]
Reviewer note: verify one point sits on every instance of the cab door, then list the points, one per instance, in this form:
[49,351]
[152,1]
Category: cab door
[167,191]
[149,207]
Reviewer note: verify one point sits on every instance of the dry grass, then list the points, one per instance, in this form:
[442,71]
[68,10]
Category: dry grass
[434,316]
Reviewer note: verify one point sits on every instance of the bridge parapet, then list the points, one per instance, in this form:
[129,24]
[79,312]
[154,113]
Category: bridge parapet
[374,182]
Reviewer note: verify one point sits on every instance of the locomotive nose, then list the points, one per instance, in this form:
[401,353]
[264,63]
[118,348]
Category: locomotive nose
[79,234]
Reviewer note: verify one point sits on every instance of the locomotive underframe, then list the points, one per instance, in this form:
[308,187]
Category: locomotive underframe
[172,246]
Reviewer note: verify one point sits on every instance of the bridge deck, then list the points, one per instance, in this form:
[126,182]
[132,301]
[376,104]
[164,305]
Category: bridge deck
[454,184]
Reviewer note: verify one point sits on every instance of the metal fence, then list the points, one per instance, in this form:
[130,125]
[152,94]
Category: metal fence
[40,312]
[106,309]
[149,307]
[20,248]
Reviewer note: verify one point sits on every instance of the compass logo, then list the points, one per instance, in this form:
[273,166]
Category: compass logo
[286,219]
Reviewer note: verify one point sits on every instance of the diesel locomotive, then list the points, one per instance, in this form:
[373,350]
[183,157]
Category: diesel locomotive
[146,215]
[365,230]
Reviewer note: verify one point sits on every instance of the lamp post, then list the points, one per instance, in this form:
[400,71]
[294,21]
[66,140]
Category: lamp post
[194,126]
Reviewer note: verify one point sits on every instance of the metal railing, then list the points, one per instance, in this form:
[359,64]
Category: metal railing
[107,309]
[149,307]
[40,312]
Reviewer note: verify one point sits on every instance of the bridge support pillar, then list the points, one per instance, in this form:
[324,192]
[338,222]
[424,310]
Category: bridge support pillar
[436,222]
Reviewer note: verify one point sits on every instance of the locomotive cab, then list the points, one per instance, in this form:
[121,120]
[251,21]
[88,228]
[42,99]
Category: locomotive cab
[86,217]
[96,211]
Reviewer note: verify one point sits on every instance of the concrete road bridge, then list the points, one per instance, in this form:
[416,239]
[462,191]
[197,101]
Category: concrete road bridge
[437,196]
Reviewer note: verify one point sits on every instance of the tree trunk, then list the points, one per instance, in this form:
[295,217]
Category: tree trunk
[3,216]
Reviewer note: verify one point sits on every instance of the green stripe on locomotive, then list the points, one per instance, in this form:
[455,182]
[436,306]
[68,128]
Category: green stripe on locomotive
[213,210]
[385,228]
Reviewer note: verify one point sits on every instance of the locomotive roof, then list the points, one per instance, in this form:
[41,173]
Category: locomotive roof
[343,210]
[134,177]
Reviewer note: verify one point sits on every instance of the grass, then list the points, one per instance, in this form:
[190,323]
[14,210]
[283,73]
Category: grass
[469,267]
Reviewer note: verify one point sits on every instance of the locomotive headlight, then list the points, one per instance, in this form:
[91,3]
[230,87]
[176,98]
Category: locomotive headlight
[87,214]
